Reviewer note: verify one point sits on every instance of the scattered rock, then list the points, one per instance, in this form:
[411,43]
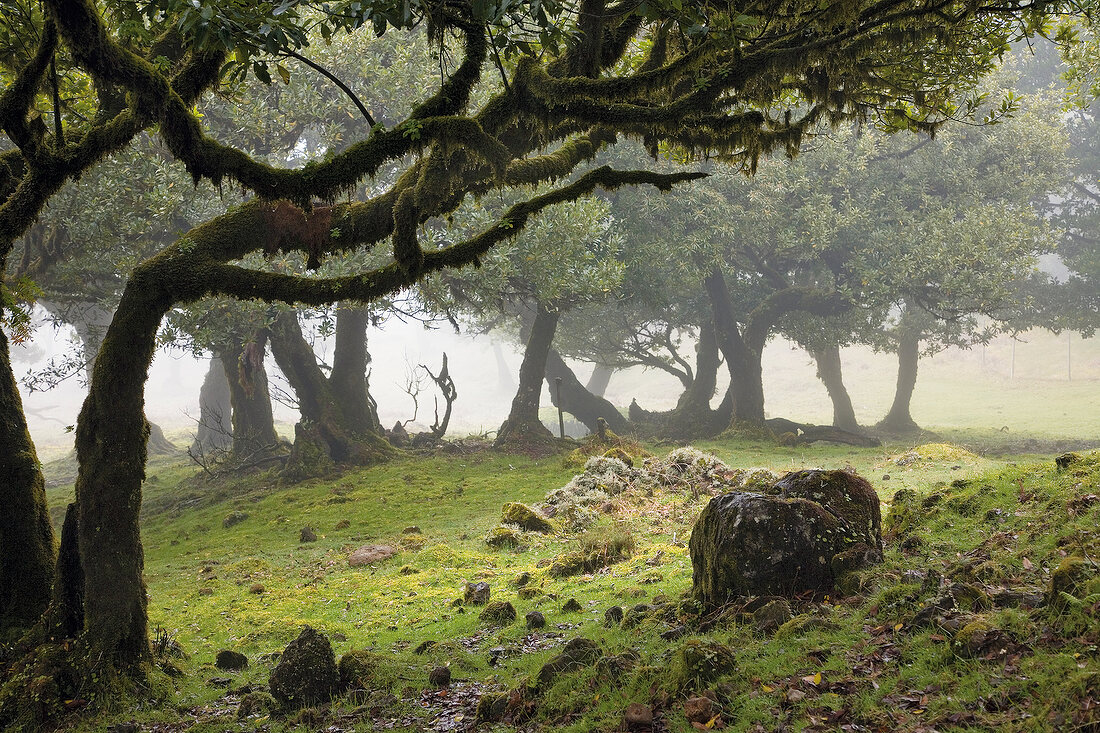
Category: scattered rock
[476,594]
[440,676]
[528,592]
[339,637]
[802,624]
[256,703]
[613,668]
[576,653]
[535,620]
[1066,460]
[698,662]
[370,554]
[491,707]
[613,616]
[571,606]
[257,589]
[674,633]
[408,570]
[636,615]
[231,660]
[1068,578]
[498,613]
[306,673]
[424,647]
[342,524]
[638,717]
[206,591]
[699,710]
[233,518]
[413,529]
[220,682]
[307,535]
[525,517]
[522,579]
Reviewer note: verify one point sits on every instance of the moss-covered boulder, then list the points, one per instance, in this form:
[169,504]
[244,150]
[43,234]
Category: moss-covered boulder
[753,545]
[773,614]
[1068,579]
[498,613]
[576,653]
[476,594]
[502,536]
[525,517]
[357,669]
[699,662]
[306,673]
[491,707]
[804,624]
[848,497]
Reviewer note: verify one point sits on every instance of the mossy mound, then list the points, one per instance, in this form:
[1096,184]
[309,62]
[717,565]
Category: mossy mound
[698,662]
[502,536]
[525,518]
[358,669]
[576,653]
[1068,579]
[498,613]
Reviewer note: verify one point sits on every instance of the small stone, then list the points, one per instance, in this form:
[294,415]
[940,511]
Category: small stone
[522,579]
[233,518]
[571,606]
[768,618]
[413,529]
[576,653]
[440,676]
[424,647]
[257,589]
[638,717]
[476,594]
[409,570]
[342,524]
[206,591]
[885,477]
[699,710]
[307,535]
[370,554]
[535,620]
[613,616]
[1066,460]
[230,660]
[339,637]
[674,633]
[219,682]
[528,592]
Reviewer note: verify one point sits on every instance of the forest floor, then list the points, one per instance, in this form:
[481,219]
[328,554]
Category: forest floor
[951,633]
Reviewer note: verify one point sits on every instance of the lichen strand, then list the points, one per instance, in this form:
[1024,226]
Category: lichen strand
[26,537]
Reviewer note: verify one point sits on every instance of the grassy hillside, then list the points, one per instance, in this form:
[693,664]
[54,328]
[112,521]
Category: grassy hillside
[991,532]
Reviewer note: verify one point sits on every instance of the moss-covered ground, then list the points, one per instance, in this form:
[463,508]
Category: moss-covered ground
[893,657]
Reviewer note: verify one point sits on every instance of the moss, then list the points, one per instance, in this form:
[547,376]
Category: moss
[525,518]
[358,669]
[803,624]
[971,638]
[769,617]
[576,653]
[699,662]
[491,707]
[502,537]
[1068,579]
[498,613]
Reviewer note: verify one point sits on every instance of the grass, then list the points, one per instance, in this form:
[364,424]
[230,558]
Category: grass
[987,516]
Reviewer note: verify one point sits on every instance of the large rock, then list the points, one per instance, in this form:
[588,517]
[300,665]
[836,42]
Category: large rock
[306,674]
[747,544]
[525,517]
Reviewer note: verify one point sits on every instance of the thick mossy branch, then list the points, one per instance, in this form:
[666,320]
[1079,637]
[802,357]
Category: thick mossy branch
[17,99]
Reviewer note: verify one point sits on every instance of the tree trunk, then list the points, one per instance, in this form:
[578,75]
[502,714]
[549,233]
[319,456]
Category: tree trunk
[215,431]
[252,423]
[328,432]
[577,400]
[349,369]
[899,419]
[26,537]
[742,359]
[830,373]
[111,449]
[523,424]
[599,379]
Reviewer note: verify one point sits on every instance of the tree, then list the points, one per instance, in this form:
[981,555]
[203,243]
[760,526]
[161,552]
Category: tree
[699,90]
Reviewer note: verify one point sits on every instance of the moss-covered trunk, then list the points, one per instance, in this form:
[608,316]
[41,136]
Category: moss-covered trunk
[831,374]
[252,423]
[523,424]
[350,360]
[328,432]
[26,538]
[111,449]
[743,359]
[577,400]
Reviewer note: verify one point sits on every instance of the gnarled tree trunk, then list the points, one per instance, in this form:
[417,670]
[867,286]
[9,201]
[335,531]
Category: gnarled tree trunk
[523,424]
[330,431]
[899,419]
[599,379]
[253,424]
[26,537]
[577,400]
[830,373]
[215,429]
[743,359]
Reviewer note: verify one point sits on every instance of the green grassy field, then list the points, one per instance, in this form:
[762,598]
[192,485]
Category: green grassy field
[876,672]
